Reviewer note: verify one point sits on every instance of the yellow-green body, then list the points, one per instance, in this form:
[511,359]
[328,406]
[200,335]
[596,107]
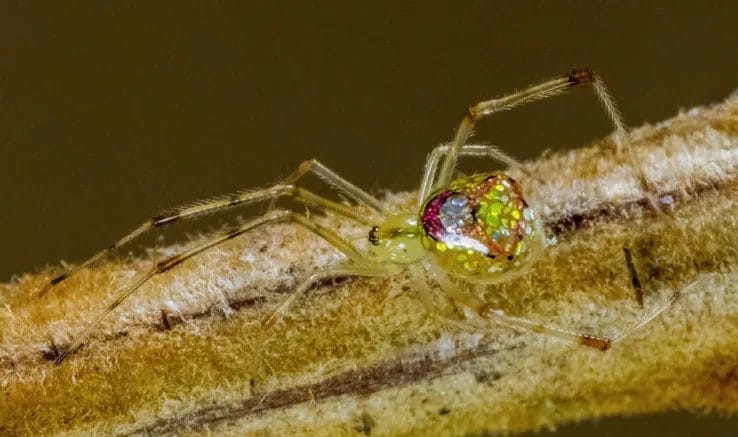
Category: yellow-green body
[481,229]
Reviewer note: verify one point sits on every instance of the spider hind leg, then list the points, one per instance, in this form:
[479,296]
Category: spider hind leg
[486,312]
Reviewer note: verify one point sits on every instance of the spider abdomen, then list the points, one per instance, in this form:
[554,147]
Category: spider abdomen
[480,227]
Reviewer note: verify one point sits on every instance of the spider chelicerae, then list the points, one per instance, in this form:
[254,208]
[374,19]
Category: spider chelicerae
[466,230]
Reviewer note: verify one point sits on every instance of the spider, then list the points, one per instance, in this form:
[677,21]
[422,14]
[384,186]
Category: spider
[466,230]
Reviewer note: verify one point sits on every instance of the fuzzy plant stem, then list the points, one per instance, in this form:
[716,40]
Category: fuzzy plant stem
[186,354]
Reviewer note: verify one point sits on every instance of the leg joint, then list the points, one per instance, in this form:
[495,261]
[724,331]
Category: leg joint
[288,189]
[602,344]
[169,263]
[279,214]
[59,278]
[578,76]
[307,164]
[472,114]
[165,219]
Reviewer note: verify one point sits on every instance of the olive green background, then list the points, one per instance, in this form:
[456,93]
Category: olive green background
[111,112]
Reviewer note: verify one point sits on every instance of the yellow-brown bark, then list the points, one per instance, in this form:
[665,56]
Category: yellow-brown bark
[363,355]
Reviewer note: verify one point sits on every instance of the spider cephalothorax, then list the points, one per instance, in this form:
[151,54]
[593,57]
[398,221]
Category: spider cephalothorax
[480,227]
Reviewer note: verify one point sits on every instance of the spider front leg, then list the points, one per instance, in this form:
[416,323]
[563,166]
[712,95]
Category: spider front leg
[531,94]
[165,265]
[537,92]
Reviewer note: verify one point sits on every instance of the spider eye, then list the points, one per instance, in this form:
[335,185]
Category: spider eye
[481,227]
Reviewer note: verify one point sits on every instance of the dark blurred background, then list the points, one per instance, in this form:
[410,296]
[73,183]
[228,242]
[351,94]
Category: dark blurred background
[111,112]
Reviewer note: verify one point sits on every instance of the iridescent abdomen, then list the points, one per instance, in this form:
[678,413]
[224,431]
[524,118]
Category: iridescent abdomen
[480,228]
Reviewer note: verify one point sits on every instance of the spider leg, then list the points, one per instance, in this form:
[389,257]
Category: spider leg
[334,180]
[483,309]
[658,309]
[167,264]
[358,268]
[479,150]
[214,205]
[536,92]
[361,268]
[441,312]
[664,304]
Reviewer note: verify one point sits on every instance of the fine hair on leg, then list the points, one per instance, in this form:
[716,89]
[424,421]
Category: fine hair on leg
[533,93]
[485,311]
[169,263]
[217,204]
[476,150]
[335,181]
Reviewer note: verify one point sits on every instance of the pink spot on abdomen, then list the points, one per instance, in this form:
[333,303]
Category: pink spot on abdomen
[431,219]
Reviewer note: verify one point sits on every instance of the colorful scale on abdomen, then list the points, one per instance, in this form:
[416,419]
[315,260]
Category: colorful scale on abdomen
[480,226]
